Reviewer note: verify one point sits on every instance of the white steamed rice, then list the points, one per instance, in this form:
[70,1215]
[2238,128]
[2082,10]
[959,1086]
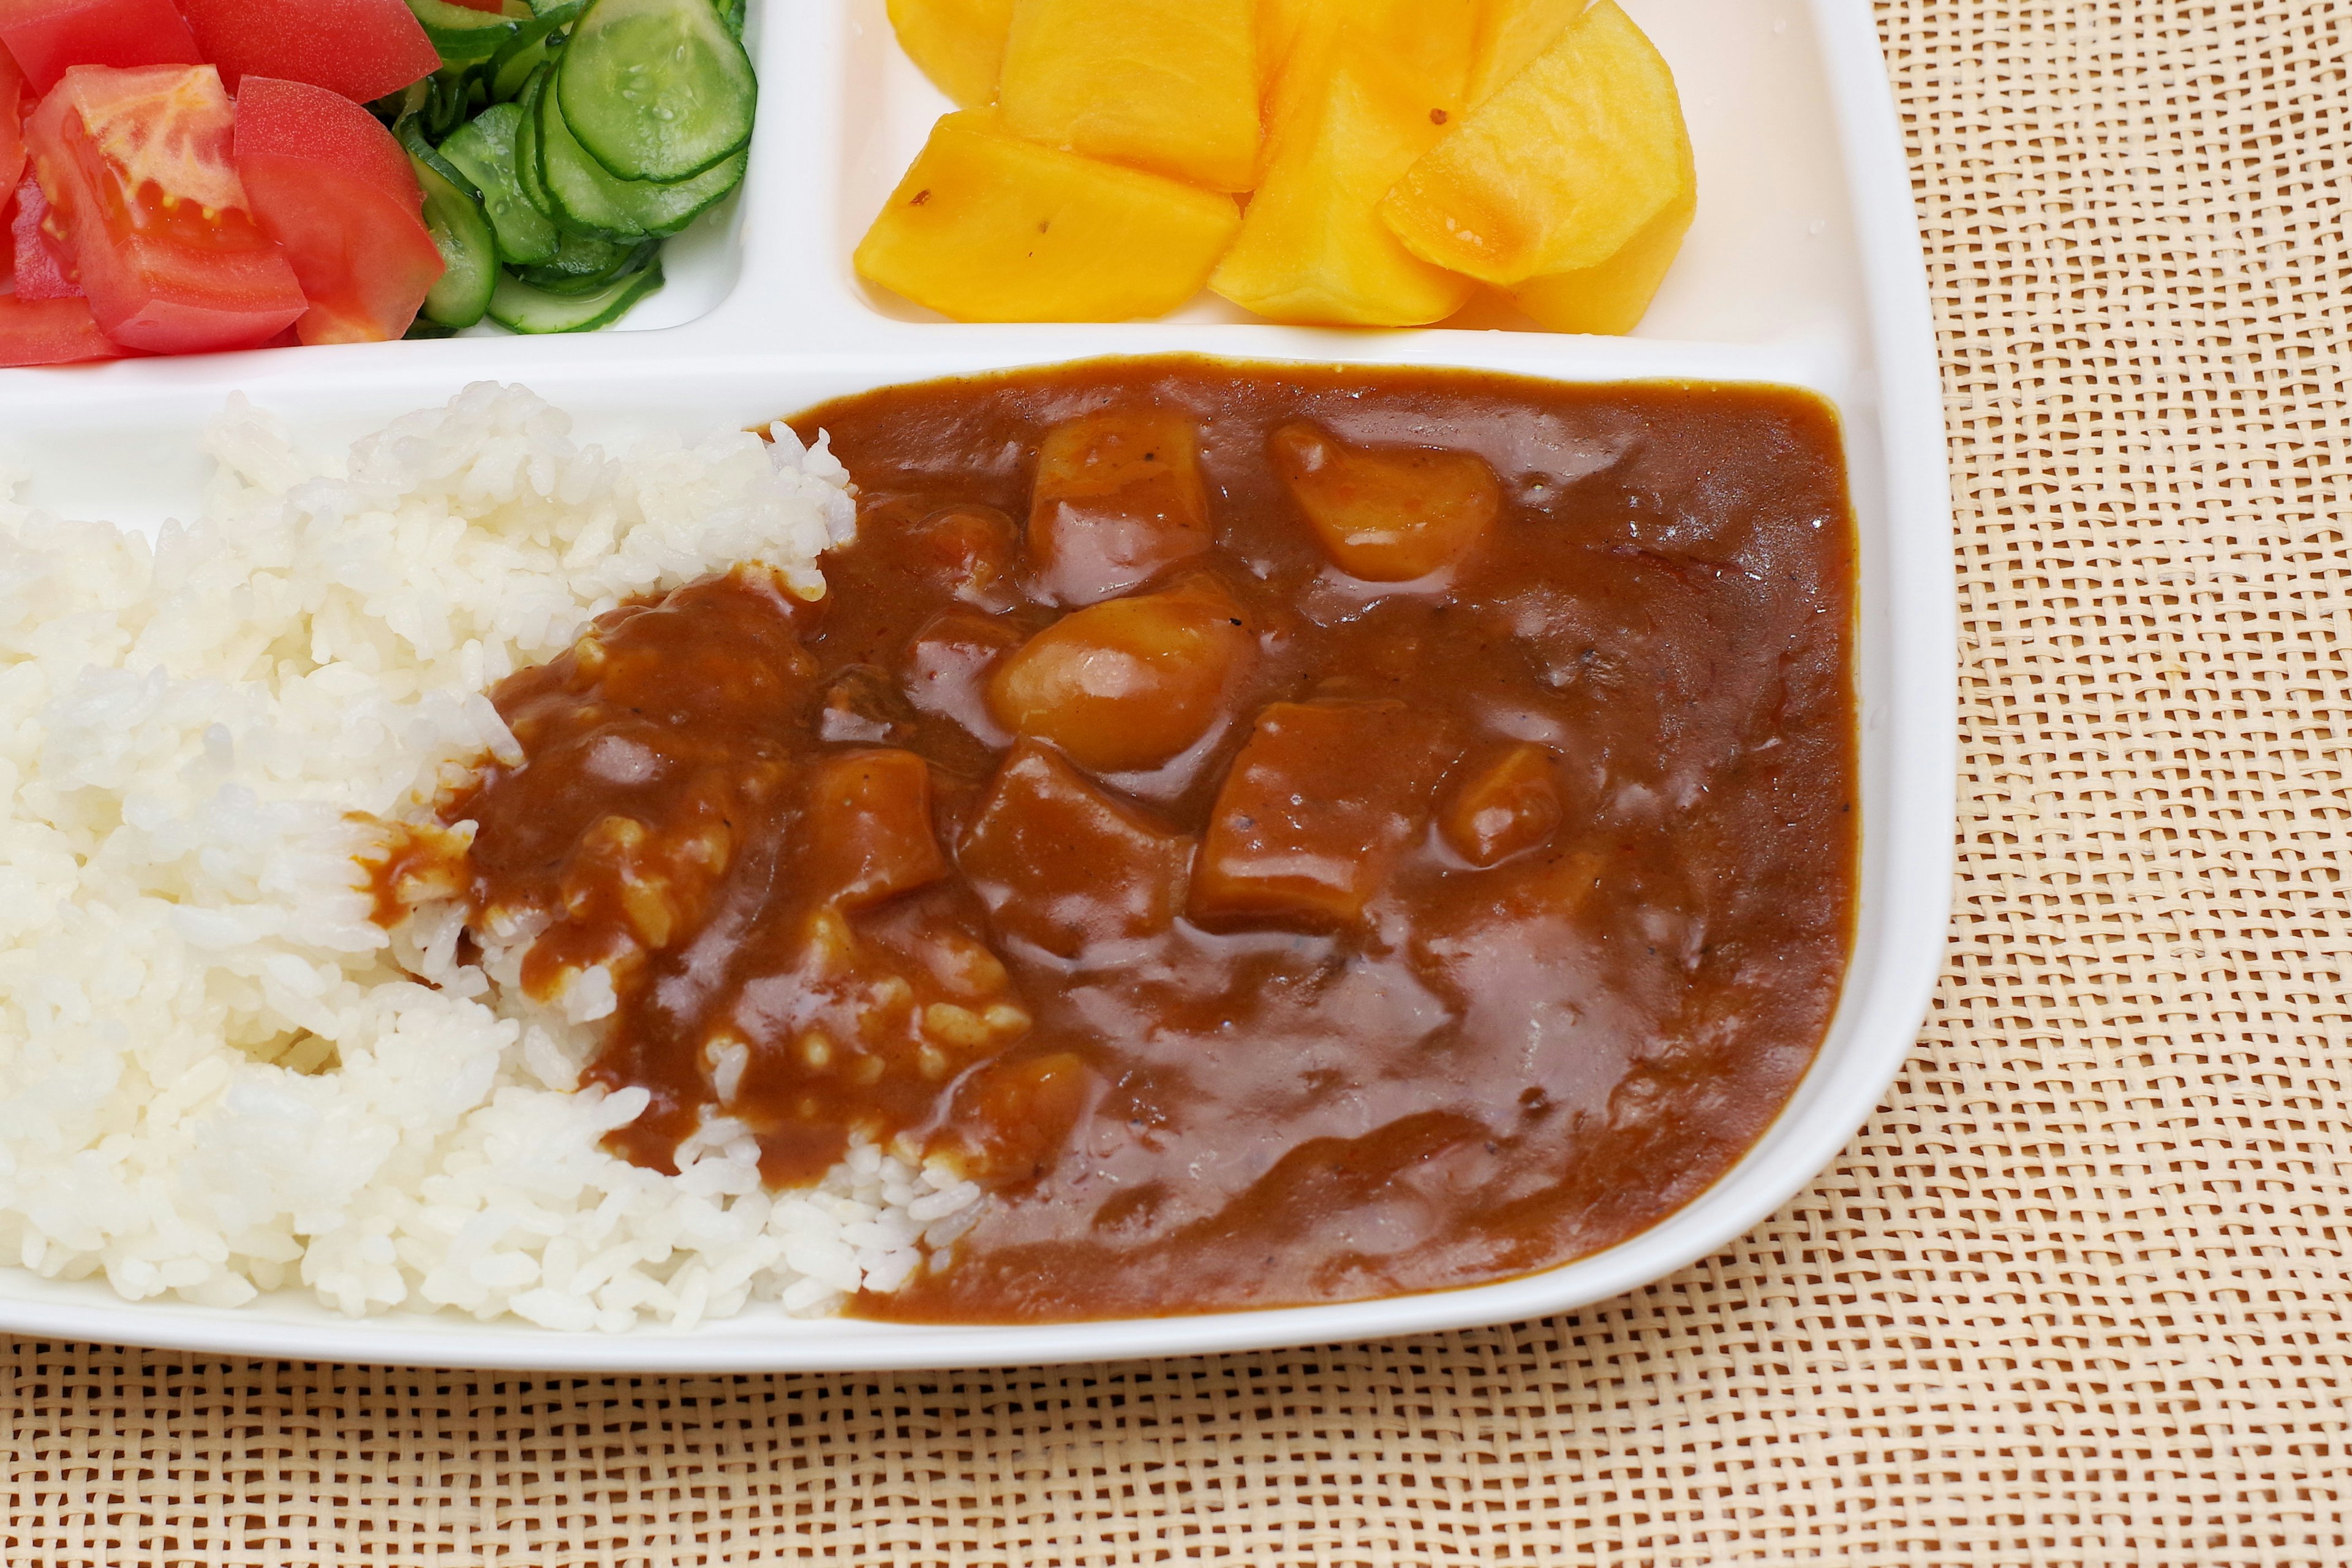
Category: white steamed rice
[217,1076]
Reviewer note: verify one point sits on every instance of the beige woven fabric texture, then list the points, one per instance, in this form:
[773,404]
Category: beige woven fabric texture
[2077,1294]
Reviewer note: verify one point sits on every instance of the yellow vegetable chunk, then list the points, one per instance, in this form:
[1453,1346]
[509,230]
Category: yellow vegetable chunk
[1431,41]
[1166,85]
[1128,683]
[988,227]
[1353,117]
[1558,170]
[1279,23]
[958,43]
[1615,296]
[1512,34]
[1387,514]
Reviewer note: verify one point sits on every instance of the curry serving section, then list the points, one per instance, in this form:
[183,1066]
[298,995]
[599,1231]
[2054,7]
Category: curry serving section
[1358,832]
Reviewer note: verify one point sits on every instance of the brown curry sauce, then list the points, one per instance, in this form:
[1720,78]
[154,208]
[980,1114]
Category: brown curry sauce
[1260,932]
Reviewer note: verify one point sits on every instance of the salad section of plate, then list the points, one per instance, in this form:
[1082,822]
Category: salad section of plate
[1801,269]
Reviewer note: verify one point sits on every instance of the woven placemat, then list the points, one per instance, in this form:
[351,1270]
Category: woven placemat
[2076,1294]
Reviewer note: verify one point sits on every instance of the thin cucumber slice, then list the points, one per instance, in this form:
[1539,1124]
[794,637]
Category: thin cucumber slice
[561,280]
[580,265]
[529,49]
[460,32]
[511,69]
[469,253]
[580,196]
[595,203]
[656,89]
[534,189]
[483,149]
[731,12]
[519,307]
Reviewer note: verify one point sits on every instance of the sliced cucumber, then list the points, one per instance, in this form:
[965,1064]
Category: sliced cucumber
[566,276]
[460,32]
[592,201]
[655,89]
[469,252]
[731,12]
[534,189]
[483,149]
[579,257]
[520,307]
[511,68]
[529,49]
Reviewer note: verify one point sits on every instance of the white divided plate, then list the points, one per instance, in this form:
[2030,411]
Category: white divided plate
[1803,268]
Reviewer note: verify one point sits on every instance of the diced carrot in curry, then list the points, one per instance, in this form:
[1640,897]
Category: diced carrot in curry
[1117,500]
[1041,820]
[1388,514]
[1506,808]
[1129,683]
[1319,807]
[865,833]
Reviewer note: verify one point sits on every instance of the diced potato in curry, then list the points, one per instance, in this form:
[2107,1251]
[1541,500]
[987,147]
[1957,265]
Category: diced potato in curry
[1561,169]
[1315,813]
[988,227]
[1166,85]
[1128,684]
[1387,514]
[1352,117]
[1042,817]
[869,835]
[958,43]
[1117,500]
[1013,1117]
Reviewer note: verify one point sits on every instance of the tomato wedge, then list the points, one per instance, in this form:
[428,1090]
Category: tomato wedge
[329,184]
[361,49]
[12,122]
[44,270]
[137,165]
[48,37]
[51,331]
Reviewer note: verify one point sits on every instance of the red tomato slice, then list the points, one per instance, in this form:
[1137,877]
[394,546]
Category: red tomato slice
[331,186]
[44,268]
[137,165]
[361,49]
[50,37]
[51,331]
[12,122]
